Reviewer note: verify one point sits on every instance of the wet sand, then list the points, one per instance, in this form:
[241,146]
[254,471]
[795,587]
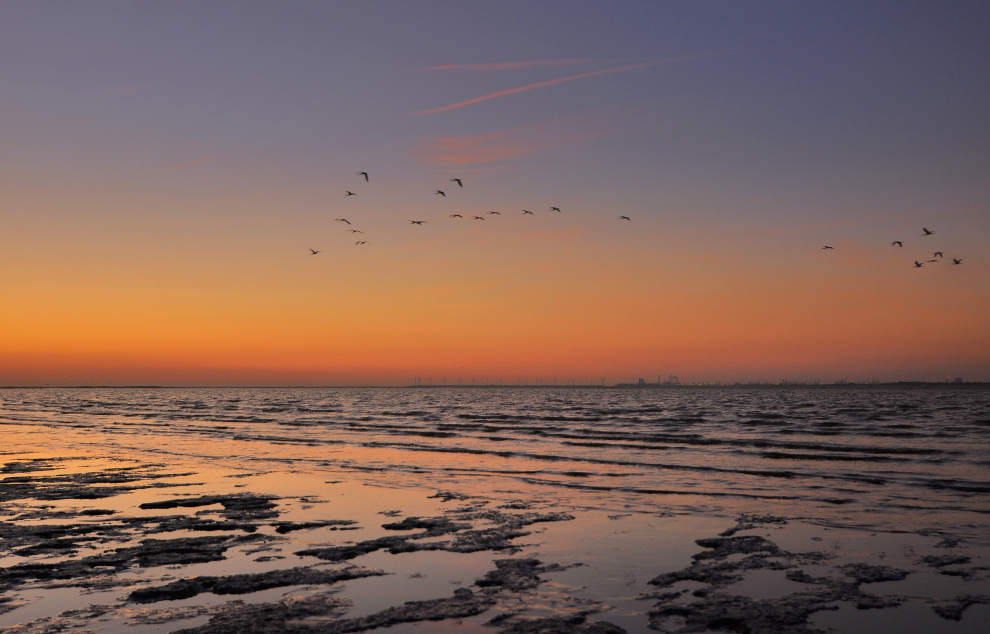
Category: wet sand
[161,529]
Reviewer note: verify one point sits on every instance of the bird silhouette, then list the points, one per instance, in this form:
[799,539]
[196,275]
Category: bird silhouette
[955,261]
[456,216]
[897,243]
[527,211]
[442,193]
[354,231]
[927,232]
[495,213]
[458,181]
[350,193]
[555,209]
[918,264]
[625,218]
[417,222]
[932,260]
[313,252]
[937,254]
[827,247]
[361,242]
[365,174]
[343,220]
[478,218]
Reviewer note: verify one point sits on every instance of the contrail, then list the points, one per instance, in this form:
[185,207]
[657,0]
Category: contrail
[607,71]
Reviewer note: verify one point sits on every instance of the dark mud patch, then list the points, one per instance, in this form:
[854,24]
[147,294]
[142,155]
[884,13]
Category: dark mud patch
[865,573]
[516,574]
[237,617]
[287,527]
[28,540]
[48,513]
[505,527]
[722,611]
[712,566]
[726,561]
[447,496]
[85,486]
[247,583]
[33,465]
[941,561]
[953,609]
[287,615]
[236,506]
[577,624]
[748,521]
[149,553]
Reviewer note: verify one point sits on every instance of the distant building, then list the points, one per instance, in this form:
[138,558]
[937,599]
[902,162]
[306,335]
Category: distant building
[673,379]
[642,381]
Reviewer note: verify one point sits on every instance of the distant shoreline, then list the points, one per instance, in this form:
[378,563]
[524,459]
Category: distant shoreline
[619,386]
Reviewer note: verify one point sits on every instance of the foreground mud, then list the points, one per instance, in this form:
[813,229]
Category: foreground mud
[145,547]
[728,558]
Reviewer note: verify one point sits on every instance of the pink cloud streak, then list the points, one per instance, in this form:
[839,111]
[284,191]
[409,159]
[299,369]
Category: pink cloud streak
[509,144]
[542,84]
[513,65]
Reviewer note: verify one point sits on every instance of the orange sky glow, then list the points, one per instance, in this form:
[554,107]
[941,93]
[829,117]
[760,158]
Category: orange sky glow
[157,232]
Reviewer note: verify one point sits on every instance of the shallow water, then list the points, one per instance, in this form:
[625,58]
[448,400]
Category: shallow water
[881,475]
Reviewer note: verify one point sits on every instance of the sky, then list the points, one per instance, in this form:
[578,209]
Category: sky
[166,167]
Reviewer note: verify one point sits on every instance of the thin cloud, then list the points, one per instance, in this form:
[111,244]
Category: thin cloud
[542,84]
[464,170]
[181,165]
[539,63]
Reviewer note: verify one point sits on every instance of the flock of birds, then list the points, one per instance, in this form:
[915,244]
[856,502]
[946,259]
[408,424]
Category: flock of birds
[936,257]
[439,192]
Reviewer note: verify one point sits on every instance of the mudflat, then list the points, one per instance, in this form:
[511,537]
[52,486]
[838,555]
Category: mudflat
[494,510]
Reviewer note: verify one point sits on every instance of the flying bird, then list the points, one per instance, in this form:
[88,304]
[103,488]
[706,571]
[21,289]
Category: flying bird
[955,261]
[354,231]
[933,260]
[625,218]
[527,211]
[456,216]
[442,193]
[927,232]
[918,264]
[897,243]
[458,181]
[937,254]
[313,252]
[827,247]
[478,218]
[417,222]
[349,193]
[361,242]
[496,213]
[343,220]
[555,209]
[365,174]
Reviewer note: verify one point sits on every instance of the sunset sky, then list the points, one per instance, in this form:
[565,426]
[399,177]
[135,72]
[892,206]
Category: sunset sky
[165,168]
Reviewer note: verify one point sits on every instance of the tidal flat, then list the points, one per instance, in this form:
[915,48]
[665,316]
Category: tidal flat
[494,510]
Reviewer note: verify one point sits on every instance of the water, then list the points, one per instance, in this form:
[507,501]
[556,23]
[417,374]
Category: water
[853,461]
